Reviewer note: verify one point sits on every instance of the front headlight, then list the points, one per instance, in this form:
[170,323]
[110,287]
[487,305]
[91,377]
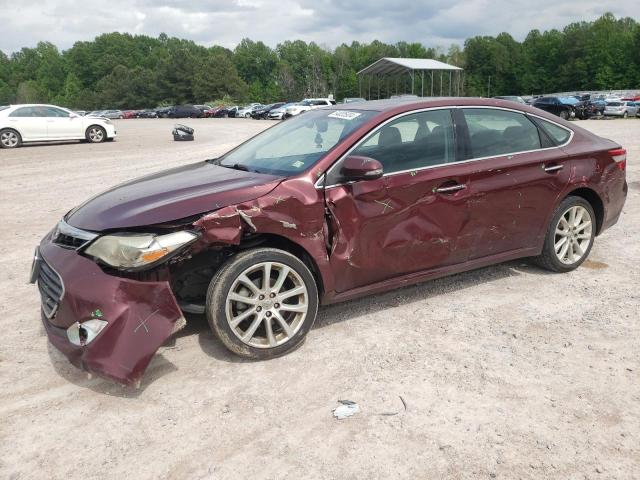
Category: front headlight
[130,251]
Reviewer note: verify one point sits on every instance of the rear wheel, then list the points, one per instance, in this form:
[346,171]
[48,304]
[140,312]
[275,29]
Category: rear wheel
[570,236]
[262,303]
[564,115]
[95,134]
[10,138]
[625,115]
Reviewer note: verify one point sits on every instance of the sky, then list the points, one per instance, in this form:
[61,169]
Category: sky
[435,23]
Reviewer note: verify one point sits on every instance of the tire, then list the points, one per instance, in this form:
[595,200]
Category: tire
[625,115]
[95,134]
[564,115]
[263,310]
[565,260]
[10,138]
[120,117]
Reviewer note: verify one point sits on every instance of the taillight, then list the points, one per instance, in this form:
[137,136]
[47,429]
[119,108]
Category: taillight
[619,155]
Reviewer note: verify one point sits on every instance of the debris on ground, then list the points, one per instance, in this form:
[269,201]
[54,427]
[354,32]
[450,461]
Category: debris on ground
[346,409]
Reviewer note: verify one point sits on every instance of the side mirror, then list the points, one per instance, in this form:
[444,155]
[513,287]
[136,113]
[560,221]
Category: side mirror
[360,168]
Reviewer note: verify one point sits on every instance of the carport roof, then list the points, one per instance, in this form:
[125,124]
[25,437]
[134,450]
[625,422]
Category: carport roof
[387,66]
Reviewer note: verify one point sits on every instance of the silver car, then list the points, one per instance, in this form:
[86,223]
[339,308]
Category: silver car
[621,109]
[112,114]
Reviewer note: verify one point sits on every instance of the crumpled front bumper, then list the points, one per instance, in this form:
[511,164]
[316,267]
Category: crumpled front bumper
[140,315]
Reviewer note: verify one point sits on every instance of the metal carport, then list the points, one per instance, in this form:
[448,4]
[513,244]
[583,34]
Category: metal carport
[401,69]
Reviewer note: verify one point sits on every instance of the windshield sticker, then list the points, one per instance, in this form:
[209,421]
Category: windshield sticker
[344,115]
[297,164]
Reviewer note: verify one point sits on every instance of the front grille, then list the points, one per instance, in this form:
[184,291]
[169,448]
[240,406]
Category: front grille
[51,289]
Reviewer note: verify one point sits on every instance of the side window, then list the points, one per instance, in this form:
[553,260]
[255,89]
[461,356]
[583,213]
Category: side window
[498,132]
[54,112]
[558,134]
[24,112]
[413,141]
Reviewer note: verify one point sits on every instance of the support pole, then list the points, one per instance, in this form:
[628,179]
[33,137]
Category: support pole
[450,82]
[422,83]
[440,82]
[432,83]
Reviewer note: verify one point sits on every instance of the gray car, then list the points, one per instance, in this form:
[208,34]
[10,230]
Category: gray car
[112,114]
[622,109]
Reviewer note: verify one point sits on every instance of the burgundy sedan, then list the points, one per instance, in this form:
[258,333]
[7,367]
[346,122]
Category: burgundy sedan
[335,204]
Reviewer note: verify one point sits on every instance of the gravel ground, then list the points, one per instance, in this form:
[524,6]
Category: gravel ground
[507,372]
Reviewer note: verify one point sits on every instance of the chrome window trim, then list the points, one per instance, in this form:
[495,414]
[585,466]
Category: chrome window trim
[318,184]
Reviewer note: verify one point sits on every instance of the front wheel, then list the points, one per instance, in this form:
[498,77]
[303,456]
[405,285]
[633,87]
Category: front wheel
[564,115]
[95,134]
[570,236]
[262,303]
[625,115]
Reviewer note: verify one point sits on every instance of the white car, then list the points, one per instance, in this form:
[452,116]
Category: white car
[245,112]
[622,109]
[308,104]
[278,113]
[44,123]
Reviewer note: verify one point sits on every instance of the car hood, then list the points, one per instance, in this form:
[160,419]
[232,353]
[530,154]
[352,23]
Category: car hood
[170,195]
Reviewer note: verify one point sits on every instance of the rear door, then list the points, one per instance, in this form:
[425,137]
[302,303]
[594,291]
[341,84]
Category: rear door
[30,122]
[415,217]
[517,178]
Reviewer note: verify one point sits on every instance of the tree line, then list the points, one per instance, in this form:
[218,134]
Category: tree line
[119,70]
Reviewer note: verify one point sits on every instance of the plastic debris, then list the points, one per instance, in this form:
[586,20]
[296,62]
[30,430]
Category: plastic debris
[346,409]
[182,133]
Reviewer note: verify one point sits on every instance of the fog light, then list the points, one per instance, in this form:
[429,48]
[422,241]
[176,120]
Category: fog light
[83,333]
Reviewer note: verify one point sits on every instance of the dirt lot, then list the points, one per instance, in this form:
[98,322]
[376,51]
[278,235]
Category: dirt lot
[507,372]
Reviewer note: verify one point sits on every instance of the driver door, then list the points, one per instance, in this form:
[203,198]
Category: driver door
[414,218]
[62,125]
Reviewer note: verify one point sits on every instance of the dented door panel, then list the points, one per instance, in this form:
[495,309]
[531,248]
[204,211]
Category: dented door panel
[396,225]
[510,197]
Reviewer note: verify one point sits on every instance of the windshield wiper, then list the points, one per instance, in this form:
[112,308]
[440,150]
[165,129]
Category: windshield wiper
[236,166]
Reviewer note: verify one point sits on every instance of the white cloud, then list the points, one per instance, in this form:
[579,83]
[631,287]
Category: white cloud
[327,22]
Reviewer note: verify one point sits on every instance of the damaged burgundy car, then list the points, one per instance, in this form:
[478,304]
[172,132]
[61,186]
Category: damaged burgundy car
[331,205]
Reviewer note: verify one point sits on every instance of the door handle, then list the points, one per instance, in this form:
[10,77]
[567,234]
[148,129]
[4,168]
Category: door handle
[450,189]
[552,168]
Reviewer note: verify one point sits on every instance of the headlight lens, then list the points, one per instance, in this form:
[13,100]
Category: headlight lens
[137,250]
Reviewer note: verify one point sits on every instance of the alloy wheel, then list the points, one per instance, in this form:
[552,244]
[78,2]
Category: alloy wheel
[96,135]
[573,234]
[9,139]
[267,304]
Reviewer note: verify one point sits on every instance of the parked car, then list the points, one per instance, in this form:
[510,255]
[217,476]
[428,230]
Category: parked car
[306,105]
[163,112]
[184,111]
[353,100]
[512,98]
[246,112]
[129,113]
[263,111]
[595,108]
[147,113]
[278,113]
[564,107]
[331,205]
[82,113]
[621,109]
[20,124]
[112,114]
[217,112]
[95,113]
[232,111]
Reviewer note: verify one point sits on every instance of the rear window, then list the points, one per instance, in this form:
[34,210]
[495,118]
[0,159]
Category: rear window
[614,104]
[498,132]
[559,134]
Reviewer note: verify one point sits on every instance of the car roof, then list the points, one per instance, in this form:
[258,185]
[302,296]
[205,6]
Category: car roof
[428,102]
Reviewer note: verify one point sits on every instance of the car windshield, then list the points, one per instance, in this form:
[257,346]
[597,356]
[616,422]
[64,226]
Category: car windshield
[614,104]
[297,144]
